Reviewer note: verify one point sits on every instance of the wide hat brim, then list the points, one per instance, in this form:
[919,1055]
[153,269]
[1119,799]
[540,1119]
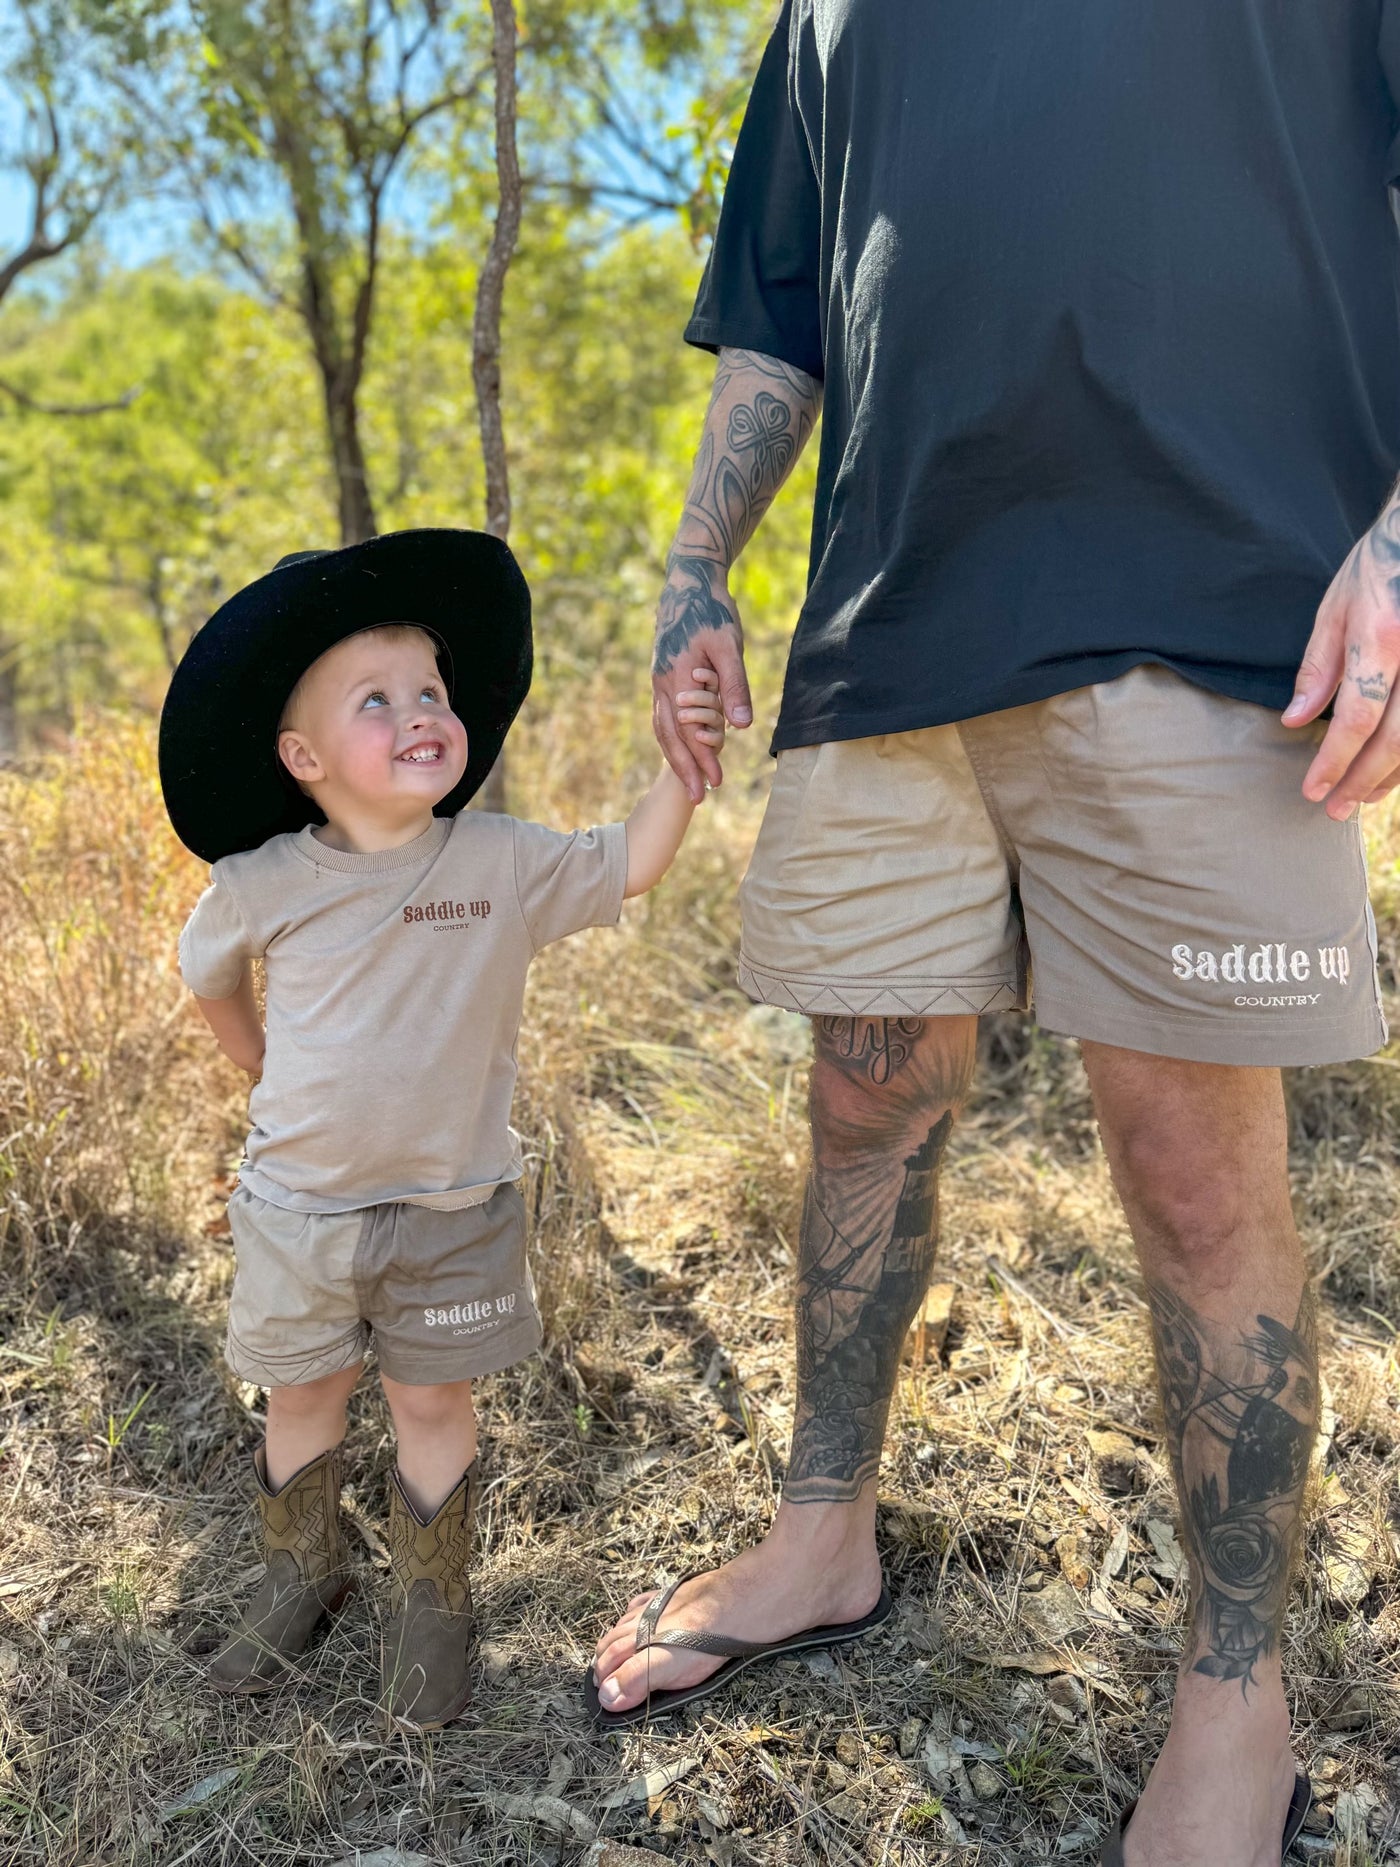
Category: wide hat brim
[225,787]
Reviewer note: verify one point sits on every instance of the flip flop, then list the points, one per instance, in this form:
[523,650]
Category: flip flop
[1112,1855]
[736,1653]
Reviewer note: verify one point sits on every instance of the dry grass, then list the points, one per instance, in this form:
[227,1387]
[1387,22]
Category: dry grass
[667,1135]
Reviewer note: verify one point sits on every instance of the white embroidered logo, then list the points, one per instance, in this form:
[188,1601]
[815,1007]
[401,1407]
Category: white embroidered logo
[1270,963]
[486,1310]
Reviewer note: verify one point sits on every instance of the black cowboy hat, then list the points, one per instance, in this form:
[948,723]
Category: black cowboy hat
[225,787]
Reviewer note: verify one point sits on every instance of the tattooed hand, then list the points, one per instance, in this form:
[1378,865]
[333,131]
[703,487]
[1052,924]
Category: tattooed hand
[1354,654]
[761,413]
[697,631]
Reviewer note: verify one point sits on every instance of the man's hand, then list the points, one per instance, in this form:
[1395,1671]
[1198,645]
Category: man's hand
[1354,654]
[699,637]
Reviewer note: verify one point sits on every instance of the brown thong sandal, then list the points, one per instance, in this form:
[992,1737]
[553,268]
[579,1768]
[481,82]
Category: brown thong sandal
[736,1653]
[1112,1855]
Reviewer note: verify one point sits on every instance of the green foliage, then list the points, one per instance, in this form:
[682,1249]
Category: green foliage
[120,534]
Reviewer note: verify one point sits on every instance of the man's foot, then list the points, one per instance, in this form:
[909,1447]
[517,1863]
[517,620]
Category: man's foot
[816,1567]
[1219,1792]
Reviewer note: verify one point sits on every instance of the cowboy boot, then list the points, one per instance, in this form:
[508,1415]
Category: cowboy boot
[306,1577]
[426,1683]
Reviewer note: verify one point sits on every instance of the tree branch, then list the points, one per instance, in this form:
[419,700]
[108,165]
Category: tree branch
[35,407]
[490,289]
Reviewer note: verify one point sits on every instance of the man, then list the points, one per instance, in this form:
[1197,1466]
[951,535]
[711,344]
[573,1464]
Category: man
[1101,302]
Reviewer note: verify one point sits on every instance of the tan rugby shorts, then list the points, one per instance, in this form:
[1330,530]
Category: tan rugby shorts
[1144,844]
[446,1296]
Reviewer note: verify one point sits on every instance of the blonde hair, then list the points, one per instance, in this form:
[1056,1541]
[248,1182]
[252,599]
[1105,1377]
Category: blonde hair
[396,631]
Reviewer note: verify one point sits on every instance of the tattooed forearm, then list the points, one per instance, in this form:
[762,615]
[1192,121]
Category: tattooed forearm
[761,413]
[1241,1416]
[884,1092]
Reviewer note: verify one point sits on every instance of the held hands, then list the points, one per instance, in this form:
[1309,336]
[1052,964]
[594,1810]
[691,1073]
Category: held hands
[697,630]
[1354,653]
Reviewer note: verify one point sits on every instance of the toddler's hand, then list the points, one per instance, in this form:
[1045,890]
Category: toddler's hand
[701,710]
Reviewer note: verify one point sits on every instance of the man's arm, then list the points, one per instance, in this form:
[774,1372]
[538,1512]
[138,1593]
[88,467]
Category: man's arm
[1354,654]
[761,414]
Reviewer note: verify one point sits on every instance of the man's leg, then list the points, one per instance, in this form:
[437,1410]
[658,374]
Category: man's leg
[885,1092]
[1199,1156]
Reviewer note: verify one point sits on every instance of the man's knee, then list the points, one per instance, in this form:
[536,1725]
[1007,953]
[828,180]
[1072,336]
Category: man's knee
[879,1083]
[1198,1152]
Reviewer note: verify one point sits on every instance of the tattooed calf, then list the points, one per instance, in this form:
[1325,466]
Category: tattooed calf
[1241,1416]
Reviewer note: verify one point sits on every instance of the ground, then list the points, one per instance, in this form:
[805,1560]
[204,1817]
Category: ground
[1020,1689]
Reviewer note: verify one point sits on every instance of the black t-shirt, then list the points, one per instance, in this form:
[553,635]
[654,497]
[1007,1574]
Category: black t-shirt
[1106,299]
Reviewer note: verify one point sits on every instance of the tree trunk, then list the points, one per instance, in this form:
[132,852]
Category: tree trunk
[486,325]
[9,703]
[356,508]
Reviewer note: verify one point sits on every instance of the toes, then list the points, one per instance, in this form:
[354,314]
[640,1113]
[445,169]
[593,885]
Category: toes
[625,1629]
[629,1685]
[616,1654]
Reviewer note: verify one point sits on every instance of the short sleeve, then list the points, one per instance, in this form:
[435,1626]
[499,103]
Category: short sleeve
[215,945]
[567,881]
[761,288]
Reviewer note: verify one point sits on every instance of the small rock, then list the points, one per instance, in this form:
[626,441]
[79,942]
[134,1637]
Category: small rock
[1115,1461]
[986,1784]
[910,1732]
[1354,1711]
[970,1363]
[495,1661]
[837,1774]
[10,1662]
[844,1808]
[1073,1551]
[1349,1566]
[1144,1585]
[850,1750]
[821,1666]
[1055,1614]
[1065,1690]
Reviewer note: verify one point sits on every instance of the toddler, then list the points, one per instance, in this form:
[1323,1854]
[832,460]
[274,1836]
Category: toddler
[319,743]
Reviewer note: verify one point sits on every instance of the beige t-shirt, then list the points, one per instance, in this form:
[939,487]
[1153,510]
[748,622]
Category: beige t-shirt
[394,989]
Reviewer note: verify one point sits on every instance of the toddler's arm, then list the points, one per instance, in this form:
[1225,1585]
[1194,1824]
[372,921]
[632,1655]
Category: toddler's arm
[657,827]
[236,1025]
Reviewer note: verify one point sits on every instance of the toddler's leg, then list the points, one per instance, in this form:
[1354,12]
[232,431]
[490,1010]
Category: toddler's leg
[305,1421]
[432,1500]
[436,1429]
[297,1478]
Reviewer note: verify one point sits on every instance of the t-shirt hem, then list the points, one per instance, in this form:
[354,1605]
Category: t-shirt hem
[1259,688]
[261,1187]
[716,334]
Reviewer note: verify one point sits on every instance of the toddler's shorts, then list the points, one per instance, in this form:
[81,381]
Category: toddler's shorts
[445,1296]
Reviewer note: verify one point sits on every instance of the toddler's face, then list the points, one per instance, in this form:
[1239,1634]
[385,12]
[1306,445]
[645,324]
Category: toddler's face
[370,724]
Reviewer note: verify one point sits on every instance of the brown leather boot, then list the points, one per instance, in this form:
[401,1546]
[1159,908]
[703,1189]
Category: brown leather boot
[306,1577]
[426,1683]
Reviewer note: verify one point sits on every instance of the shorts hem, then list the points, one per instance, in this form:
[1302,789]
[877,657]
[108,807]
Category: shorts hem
[441,1365]
[830,995]
[1215,1039]
[296,1367]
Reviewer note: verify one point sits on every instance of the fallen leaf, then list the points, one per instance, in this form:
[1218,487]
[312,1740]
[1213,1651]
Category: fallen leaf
[1353,1808]
[387,1857]
[1115,1555]
[1171,1561]
[1045,1664]
[201,1792]
[652,1783]
[551,1812]
[1102,1609]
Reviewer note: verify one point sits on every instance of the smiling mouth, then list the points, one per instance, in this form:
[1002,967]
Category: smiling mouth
[422,755]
